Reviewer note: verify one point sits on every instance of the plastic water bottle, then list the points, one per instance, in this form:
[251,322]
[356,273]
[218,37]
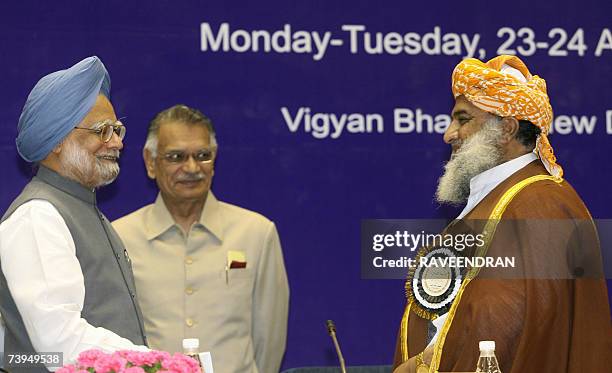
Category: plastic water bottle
[487,362]
[191,347]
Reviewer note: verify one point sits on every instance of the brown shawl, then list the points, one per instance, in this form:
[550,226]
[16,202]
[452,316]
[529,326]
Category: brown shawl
[541,319]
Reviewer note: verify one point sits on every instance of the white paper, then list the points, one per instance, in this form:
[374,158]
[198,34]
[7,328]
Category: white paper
[206,360]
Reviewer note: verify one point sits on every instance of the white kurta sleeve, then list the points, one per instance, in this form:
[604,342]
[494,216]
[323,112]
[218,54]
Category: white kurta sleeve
[50,292]
[270,306]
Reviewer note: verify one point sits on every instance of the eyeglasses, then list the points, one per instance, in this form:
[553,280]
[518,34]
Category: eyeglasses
[106,129]
[201,156]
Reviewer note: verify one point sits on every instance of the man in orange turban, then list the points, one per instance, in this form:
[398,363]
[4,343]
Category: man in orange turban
[550,312]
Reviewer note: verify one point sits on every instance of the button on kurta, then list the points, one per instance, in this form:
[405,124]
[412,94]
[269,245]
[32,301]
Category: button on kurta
[189,322]
[188,261]
[189,291]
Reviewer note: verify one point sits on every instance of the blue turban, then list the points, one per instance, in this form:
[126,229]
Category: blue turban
[57,104]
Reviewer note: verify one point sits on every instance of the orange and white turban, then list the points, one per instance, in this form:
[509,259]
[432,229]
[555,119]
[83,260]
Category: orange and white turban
[505,87]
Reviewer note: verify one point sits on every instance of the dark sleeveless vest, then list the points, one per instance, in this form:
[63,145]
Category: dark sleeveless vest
[110,293]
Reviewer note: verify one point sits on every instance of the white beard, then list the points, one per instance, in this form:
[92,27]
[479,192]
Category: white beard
[478,153]
[78,164]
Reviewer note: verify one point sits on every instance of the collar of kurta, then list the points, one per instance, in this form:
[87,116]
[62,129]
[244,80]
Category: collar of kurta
[483,183]
[66,185]
[495,175]
[160,220]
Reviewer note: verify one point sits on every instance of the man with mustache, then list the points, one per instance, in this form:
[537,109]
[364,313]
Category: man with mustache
[66,283]
[550,313]
[204,268]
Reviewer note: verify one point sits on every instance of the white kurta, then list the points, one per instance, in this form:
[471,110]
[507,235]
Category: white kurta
[44,277]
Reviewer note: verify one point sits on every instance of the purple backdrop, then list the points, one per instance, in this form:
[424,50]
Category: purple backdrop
[385,57]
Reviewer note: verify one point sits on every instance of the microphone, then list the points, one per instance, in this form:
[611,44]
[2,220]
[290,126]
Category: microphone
[331,329]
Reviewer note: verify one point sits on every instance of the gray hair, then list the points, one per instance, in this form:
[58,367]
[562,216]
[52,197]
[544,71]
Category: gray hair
[177,113]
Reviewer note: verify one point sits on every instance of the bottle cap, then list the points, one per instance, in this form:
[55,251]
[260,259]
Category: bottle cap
[486,345]
[191,343]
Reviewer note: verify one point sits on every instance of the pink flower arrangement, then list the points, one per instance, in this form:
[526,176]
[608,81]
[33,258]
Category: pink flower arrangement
[96,361]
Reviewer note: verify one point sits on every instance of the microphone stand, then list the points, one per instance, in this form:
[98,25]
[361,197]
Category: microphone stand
[331,329]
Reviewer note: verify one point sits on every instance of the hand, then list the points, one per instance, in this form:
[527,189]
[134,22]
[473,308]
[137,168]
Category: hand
[428,355]
[409,366]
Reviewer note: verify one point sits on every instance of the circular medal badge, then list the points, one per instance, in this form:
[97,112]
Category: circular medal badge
[434,283]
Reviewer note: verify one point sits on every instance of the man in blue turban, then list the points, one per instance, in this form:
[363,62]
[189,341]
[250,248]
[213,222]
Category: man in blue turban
[57,104]
[66,283]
